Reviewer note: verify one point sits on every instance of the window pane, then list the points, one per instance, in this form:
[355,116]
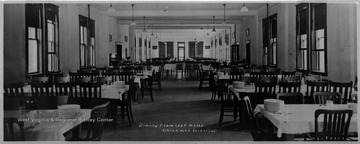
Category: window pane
[320,41]
[321,61]
[50,29]
[32,32]
[305,59]
[303,41]
[274,53]
[81,35]
[50,62]
[33,56]
[85,35]
[82,54]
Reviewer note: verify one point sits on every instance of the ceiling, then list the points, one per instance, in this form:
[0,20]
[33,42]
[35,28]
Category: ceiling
[180,16]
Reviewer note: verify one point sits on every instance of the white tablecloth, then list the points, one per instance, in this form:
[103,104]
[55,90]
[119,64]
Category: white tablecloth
[170,67]
[45,125]
[300,118]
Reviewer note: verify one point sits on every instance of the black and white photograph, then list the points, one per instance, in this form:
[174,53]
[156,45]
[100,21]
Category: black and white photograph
[179,71]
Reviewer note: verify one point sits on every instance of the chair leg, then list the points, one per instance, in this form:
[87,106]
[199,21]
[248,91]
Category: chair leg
[122,112]
[221,116]
[128,115]
[151,95]
[200,85]
[159,84]
[131,114]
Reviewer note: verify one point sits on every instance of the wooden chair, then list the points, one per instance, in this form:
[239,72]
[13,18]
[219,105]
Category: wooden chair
[213,85]
[42,79]
[157,78]
[84,79]
[249,80]
[256,133]
[344,88]
[74,76]
[9,130]
[314,86]
[335,125]
[104,80]
[204,76]
[291,79]
[287,74]
[14,97]
[264,78]
[322,97]
[124,76]
[289,87]
[95,129]
[265,87]
[68,89]
[52,75]
[291,98]
[237,76]
[230,105]
[89,94]
[43,95]
[125,103]
[146,87]
[61,80]
[111,74]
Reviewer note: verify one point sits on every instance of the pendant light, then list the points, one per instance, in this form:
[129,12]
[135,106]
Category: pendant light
[224,22]
[244,8]
[111,9]
[144,30]
[152,28]
[213,30]
[132,22]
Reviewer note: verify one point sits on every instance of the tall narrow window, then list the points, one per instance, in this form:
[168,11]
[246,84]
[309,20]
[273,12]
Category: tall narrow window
[42,40]
[311,38]
[270,41]
[52,37]
[87,41]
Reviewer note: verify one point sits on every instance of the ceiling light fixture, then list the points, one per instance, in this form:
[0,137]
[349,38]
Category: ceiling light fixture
[144,30]
[152,32]
[224,22]
[213,30]
[132,22]
[111,9]
[244,8]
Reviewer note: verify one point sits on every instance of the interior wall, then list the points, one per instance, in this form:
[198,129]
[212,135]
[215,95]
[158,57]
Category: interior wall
[14,43]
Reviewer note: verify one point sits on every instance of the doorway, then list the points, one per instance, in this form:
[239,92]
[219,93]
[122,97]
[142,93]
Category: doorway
[181,51]
[248,53]
[119,50]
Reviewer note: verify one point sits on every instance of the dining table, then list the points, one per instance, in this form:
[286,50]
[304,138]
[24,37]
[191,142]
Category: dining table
[46,124]
[300,119]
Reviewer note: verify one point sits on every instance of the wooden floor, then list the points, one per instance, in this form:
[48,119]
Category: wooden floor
[180,112]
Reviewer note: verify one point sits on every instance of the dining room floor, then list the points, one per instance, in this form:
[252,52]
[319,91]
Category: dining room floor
[180,112]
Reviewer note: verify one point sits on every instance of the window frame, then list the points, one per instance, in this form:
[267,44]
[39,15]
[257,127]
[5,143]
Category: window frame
[89,52]
[41,34]
[311,38]
[268,55]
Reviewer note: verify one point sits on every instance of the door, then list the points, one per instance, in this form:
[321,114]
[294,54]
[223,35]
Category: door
[181,51]
[119,51]
[248,53]
[235,53]
[170,49]
[192,49]
[161,50]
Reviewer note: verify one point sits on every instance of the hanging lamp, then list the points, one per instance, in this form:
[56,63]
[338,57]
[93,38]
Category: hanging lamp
[132,22]
[224,22]
[144,30]
[244,8]
[111,9]
[213,30]
[152,28]
[207,27]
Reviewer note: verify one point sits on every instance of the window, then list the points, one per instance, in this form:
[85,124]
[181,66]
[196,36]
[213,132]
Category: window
[42,40]
[311,38]
[87,41]
[270,41]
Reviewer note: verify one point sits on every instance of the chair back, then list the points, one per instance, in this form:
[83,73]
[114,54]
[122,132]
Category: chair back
[111,74]
[98,112]
[316,86]
[90,90]
[334,126]
[265,87]
[54,74]
[124,76]
[291,98]
[42,90]
[146,83]
[68,89]
[252,120]
[86,79]
[14,90]
[288,74]
[291,78]
[249,80]
[236,75]
[322,97]
[61,80]
[313,78]
[42,79]
[74,76]
[104,80]
[264,78]
[289,87]
[344,88]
